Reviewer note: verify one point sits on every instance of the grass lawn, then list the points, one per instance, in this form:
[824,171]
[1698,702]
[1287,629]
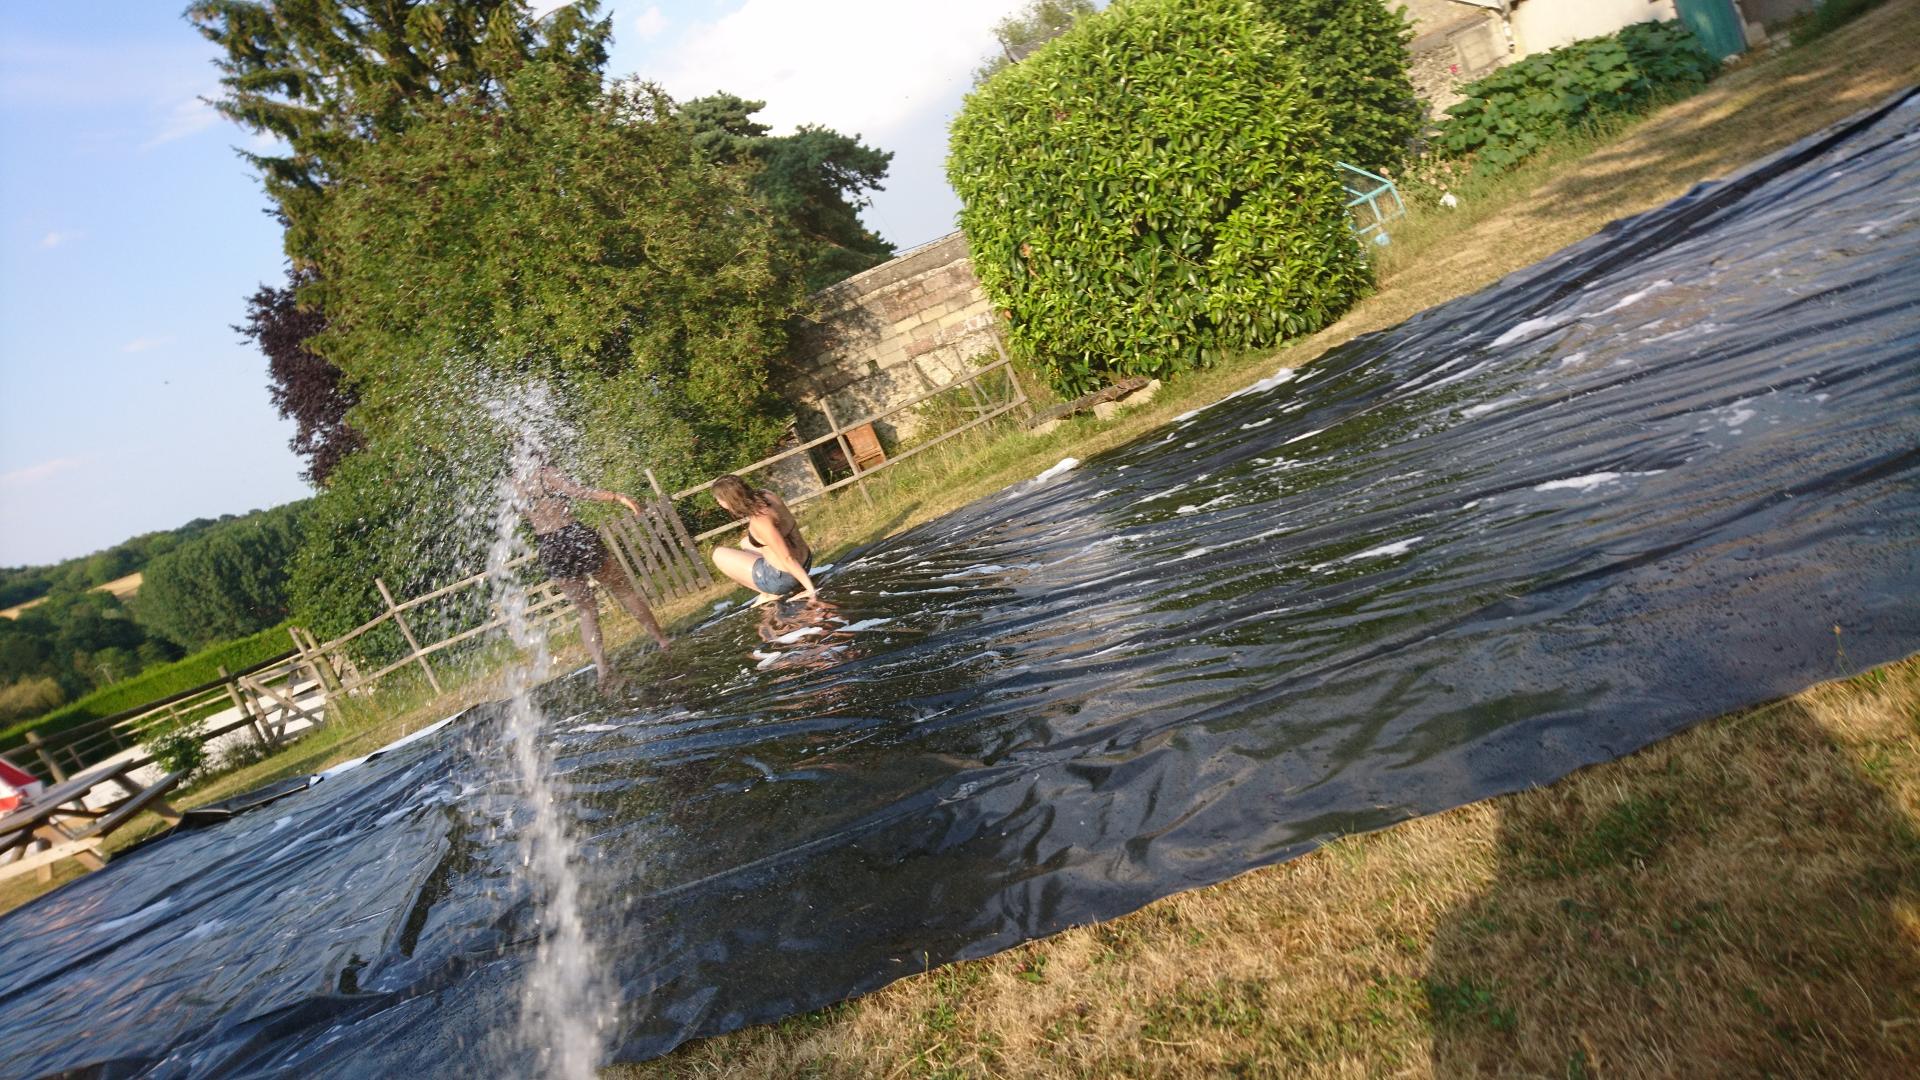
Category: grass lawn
[1742,898]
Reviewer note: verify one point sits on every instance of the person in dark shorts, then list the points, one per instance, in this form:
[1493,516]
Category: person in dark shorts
[773,558]
[571,553]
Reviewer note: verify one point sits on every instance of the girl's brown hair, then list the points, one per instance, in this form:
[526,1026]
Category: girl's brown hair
[733,494]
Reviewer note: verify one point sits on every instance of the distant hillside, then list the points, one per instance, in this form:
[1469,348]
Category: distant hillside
[107,568]
[120,588]
[93,621]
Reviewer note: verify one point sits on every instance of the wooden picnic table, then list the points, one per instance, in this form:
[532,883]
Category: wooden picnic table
[58,824]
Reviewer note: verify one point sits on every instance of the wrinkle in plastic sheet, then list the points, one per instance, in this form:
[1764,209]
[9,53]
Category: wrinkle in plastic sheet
[1633,487]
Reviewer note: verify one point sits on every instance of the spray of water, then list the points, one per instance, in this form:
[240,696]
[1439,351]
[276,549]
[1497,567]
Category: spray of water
[564,1009]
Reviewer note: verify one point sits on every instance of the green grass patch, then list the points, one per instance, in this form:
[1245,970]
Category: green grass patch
[1469,1003]
[1238,1006]
[1629,833]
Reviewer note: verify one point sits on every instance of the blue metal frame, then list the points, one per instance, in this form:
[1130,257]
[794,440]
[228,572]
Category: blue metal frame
[1372,191]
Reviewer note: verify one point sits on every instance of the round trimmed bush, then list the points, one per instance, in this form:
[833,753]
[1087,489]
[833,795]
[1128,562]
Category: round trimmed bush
[1151,191]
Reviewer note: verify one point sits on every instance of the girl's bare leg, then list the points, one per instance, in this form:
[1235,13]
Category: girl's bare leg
[738,566]
[581,595]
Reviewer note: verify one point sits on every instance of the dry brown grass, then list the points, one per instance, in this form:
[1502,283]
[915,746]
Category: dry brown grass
[121,588]
[1742,899]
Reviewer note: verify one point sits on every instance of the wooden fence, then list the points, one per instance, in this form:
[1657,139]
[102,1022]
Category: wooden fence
[263,698]
[653,548]
[985,409]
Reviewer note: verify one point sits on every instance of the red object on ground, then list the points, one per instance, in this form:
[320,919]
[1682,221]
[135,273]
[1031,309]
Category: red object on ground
[16,785]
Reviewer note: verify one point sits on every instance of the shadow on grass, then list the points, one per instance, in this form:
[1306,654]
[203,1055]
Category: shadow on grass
[874,533]
[1739,919]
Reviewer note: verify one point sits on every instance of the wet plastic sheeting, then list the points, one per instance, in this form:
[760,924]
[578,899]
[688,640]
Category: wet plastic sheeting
[1666,474]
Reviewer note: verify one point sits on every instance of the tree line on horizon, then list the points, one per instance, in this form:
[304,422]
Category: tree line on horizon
[208,581]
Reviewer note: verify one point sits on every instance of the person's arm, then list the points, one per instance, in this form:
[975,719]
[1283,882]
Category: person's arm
[781,557]
[562,484]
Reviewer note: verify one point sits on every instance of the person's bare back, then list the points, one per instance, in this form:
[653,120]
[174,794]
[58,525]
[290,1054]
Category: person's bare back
[548,494]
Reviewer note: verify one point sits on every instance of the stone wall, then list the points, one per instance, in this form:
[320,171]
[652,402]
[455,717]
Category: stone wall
[1452,51]
[888,334]
[1453,44]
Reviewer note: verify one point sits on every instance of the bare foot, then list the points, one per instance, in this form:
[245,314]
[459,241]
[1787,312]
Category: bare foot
[762,598]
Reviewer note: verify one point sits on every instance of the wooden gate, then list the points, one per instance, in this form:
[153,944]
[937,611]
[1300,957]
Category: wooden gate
[655,549]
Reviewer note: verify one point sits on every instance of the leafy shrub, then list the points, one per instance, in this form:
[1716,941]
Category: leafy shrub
[1519,109]
[30,697]
[1353,54]
[227,583]
[415,521]
[180,750]
[1151,191]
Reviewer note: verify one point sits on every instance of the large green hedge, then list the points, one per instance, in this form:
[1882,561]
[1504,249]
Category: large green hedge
[1152,190]
[564,259]
[225,584]
[1353,55]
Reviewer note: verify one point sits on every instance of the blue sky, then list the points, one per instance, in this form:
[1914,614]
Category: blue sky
[131,232]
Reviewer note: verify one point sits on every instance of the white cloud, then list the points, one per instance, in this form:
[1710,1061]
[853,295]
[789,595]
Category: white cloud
[142,344]
[33,474]
[55,238]
[543,8]
[649,23]
[189,117]
[860,66]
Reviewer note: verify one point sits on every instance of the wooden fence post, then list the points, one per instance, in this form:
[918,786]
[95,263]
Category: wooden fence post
[306,660]
[406,631]
[253,718]
[1013,376]
[323,668]
[53,767]
[680,530]
[658,544]
[615,538]
[826,406]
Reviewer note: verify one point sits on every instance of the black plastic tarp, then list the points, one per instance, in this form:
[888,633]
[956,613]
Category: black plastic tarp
[1665,474]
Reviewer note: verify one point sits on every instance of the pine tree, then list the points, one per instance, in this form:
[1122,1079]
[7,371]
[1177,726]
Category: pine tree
[813,182]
